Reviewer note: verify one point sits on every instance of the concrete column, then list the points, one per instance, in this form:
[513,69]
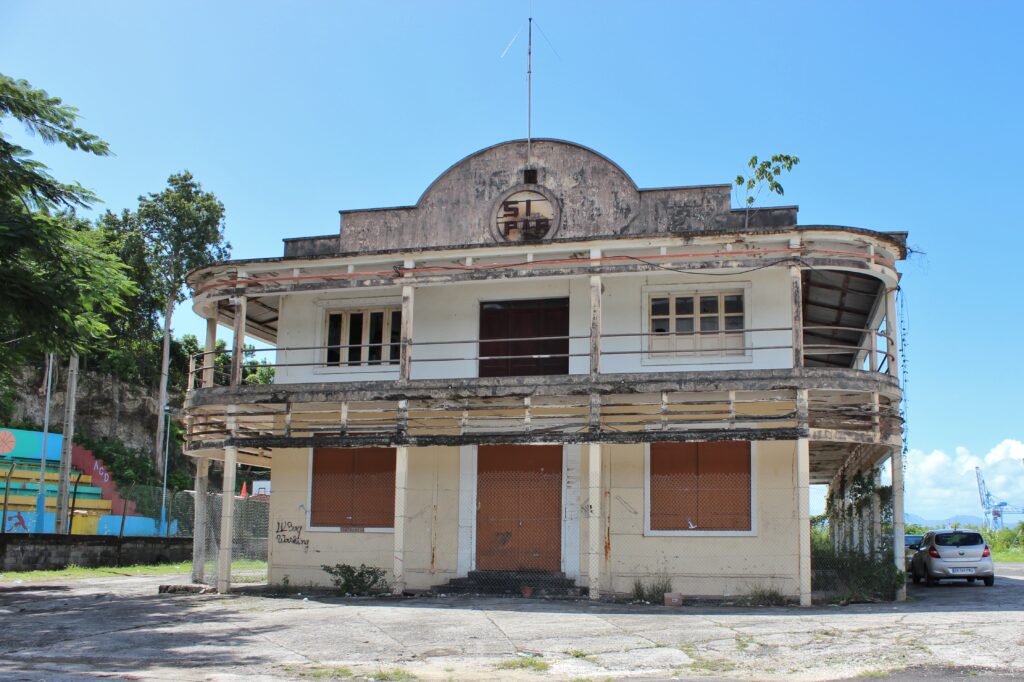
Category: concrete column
[797,311]
[803,491]
[211,345]
[594,544]
[897,517]
[199,523]
[891,329]
[401,518]
[876,518]
[467,511]
[854,528]
[405,350]
[595,324]
[227,520]
[239,341]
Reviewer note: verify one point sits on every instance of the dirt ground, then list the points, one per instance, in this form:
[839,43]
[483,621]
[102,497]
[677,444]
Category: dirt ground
[121,628]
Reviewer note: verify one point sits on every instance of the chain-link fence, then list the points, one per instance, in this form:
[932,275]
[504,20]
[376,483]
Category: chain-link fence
[249,538]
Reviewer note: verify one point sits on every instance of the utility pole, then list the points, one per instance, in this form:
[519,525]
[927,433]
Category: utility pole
[64,511]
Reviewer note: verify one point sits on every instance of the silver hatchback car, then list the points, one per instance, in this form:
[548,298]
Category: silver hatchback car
[951,554]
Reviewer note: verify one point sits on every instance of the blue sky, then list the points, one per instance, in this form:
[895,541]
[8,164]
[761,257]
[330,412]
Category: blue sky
[906,116]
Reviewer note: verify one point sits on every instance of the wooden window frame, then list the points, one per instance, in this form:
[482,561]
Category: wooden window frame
[387,361]
[335,529]
[752,532]
[706,344]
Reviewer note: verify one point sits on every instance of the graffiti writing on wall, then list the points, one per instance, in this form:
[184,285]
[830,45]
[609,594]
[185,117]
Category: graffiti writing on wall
[289,533]
[101,472]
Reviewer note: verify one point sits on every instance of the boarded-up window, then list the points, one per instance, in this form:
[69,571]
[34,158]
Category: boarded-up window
[700,486]
[353,487]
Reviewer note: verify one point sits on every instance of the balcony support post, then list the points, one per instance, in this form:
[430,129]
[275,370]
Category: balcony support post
[896,460]
[405,362]
[892,346]
[594,516]
[209,350]
[797,303]
[238,345]
[876,516]
[227,519]
[401,517]
[199,524]
[803,493]
[595,324]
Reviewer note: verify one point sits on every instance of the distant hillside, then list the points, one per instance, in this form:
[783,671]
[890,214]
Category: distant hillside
[959,519]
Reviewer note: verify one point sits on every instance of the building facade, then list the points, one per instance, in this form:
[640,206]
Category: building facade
[542,368]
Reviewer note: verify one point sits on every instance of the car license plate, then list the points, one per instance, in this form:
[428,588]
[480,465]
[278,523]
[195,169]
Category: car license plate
[961,571]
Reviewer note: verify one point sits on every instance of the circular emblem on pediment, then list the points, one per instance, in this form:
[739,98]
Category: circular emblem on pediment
[527,213]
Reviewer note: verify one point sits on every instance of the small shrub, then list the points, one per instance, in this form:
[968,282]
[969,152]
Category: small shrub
[355,581]
[653,592]
[393,674]
[764,596]
[853,577]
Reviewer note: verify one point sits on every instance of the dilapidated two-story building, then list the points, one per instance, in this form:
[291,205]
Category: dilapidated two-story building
[544,374]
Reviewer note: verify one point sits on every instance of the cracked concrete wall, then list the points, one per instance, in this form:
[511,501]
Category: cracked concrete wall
[431,550]
[714,564]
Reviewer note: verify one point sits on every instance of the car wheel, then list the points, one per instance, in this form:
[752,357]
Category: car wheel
[930,581]
[915,577]
[990,581]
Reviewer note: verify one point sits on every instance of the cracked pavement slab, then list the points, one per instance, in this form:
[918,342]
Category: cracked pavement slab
[120,627]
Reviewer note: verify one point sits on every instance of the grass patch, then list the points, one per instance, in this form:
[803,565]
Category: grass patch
[336,672]
[1010,556]
[393,674]
[653,592]
[743,642]
[712,665]
[577,653]
[79,572]
[524,663]
[870,674]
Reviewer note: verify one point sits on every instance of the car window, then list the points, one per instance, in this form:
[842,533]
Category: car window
[912,539]
[959,539]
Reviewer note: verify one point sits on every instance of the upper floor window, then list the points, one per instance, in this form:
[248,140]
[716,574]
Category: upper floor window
[365,336]
[696,323]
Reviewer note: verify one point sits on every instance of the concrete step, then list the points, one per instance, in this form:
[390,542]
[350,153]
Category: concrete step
[511,582]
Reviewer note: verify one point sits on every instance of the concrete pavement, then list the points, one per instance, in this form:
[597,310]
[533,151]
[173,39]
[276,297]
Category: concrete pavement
[121,627]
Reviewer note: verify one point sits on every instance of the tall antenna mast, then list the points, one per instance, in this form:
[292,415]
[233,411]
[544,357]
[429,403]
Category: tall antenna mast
[529,92]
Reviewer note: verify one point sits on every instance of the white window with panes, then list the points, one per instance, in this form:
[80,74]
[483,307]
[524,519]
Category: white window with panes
[363,337]
[695,324]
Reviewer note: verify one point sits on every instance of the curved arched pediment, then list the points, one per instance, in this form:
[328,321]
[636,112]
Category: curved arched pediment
[486,198]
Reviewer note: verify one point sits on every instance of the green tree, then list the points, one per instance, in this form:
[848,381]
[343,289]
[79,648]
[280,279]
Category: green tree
[60,285]
[764,174]
[184,228]
[134,352]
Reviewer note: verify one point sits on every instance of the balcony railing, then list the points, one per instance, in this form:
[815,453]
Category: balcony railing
[869,350]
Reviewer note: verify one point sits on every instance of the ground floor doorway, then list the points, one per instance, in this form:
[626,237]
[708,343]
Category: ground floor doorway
[519,508]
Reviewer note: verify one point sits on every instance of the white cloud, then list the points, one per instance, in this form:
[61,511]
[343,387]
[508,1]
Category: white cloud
[939,485]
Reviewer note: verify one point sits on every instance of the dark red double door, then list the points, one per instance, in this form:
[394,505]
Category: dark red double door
[519,508]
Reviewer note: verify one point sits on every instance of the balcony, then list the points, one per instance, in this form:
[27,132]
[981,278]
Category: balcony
[809,396]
